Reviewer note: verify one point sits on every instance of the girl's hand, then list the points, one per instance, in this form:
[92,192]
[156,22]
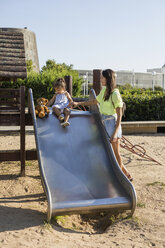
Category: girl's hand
[113,138]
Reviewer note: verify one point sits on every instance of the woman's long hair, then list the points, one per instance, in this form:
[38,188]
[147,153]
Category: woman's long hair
[110,82]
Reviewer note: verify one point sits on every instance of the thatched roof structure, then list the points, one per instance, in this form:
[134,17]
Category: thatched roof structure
[12,56]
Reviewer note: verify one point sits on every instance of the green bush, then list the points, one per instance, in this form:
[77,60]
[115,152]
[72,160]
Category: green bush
[141,104]
[144,105]
[42,83]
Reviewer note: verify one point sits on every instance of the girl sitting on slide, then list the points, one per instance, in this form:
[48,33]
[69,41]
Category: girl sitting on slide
[61,102]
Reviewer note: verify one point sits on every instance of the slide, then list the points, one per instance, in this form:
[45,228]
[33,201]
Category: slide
[78,168]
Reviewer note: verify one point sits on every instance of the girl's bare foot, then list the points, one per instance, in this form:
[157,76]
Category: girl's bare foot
[65,124]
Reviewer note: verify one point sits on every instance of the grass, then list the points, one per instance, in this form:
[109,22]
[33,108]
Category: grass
[126,217]
[134,219]
[96,223]
[47,225]
[112,219]
[30,163]
[61,219]
[141,204]
[65,223]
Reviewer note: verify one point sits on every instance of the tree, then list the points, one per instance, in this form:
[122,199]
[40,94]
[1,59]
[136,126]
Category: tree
[29,65]
[52,70]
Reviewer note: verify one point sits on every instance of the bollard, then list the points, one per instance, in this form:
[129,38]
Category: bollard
[97,81]
[68,81]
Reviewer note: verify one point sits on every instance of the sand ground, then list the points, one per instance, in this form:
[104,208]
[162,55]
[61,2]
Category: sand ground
[23,206]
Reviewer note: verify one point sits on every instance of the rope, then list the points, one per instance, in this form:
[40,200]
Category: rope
[136,149]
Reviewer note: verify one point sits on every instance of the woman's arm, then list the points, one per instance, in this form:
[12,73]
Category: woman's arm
[118,122]
[51,101]
[87,103]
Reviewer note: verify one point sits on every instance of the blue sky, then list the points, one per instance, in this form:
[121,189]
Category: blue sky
[91,34]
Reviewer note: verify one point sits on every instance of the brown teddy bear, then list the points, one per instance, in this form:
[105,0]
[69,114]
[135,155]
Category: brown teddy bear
[41,108]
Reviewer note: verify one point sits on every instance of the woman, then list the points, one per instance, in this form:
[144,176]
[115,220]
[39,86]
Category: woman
[111,110]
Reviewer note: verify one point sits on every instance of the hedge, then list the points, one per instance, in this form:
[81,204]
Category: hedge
[141,104]
[144,105]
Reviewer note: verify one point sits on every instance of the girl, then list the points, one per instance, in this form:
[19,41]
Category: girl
[111,110]
[61,101]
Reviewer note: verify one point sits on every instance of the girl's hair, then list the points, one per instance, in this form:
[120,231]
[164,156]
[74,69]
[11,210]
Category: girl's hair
[60,82]
[110,82]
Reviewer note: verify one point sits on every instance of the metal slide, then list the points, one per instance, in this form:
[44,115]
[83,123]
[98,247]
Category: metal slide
[78,168]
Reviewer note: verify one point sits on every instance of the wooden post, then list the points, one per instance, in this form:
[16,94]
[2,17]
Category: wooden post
[68,80]
[97,81]
[22,130]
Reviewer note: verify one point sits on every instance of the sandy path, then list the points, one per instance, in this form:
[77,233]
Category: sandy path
[23,206]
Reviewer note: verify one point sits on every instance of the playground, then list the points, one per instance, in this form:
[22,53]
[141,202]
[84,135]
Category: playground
[24,205]
[62,187]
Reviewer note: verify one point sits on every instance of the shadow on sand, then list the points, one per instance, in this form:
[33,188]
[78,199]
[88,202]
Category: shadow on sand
[13,218]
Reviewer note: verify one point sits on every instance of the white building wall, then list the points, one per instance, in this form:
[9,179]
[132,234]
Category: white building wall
[136,79]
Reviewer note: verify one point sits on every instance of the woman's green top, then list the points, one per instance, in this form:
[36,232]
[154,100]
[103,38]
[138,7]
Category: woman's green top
[107,107]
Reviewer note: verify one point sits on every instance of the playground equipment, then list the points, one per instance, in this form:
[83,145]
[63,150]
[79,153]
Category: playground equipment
[78,168]
[12,101]
[12,113]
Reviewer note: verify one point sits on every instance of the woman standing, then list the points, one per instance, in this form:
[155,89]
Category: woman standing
[111,110]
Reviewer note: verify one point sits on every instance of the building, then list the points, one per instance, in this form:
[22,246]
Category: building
[29,40]
[136,79]
[12,56]
[140,79]
[157,70]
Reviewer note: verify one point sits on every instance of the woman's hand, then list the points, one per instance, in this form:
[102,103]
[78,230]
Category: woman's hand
[75,104]
[71,104]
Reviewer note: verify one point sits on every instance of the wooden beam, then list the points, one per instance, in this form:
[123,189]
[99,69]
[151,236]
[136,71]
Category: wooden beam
[10,90]
[13,62]
[10,33]
[31,155]
[13,68]
[11,41]
[8,95]
[9,108]
[13,74]
[5,54]
[5,59]
[14,155]
[28,119]
[22,130]
[10,155]
[12,50]
[14,119]
[12,45]
[10,37]
[9,103]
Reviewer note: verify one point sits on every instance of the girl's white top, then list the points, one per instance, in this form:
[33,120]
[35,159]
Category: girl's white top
[61,101]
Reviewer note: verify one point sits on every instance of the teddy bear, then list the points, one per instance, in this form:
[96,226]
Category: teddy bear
[41,108]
